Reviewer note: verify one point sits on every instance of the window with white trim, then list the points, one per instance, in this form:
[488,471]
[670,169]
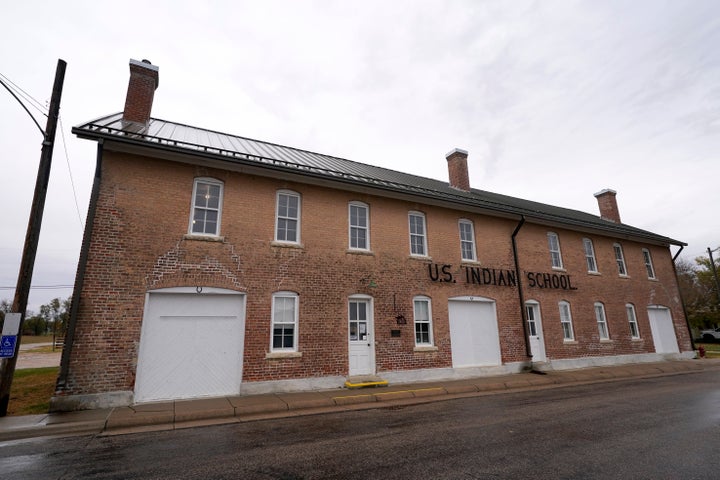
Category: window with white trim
[284,332]
[620,259]
[287,218]
[418,235]
[423,321]
[648,263]
[632,320]
[601,321]
[566,321]
[467,240]
[590,255]
[359,226]
[554,246]
[206,207]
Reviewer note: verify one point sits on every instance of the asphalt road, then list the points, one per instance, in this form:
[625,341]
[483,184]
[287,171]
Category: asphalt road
[661,428]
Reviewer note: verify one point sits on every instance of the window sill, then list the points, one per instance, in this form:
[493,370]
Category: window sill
[281,355]
[597,274]
[472,263]
[559,269]
[653,279]
[570,342]
[424,258]
[299,246]
[606,340]
[353,251]
[203,238]
[624,276]
[425,348]
[636,339]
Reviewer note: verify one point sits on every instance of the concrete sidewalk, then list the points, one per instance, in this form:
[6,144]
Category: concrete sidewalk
[212,411]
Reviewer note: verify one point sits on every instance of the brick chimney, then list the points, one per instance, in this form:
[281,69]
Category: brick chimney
[144,79]
[458,169]
[608,205]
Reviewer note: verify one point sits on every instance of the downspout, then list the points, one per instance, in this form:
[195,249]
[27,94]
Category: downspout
[80,276]
[521,297]
[682,300]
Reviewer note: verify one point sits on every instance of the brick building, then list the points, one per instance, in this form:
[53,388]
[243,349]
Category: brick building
[214,264]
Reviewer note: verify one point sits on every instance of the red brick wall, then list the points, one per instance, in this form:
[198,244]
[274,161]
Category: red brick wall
[139,244]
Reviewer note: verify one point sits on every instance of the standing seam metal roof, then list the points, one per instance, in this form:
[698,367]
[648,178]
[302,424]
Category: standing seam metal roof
[179,137]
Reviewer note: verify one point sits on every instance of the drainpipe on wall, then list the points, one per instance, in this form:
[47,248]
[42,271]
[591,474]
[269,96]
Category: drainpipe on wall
[80,277]
[682,300]
[520,290]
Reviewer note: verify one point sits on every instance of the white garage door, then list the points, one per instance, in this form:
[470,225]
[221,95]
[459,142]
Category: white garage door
[474,333]
[663,331]
[191,345]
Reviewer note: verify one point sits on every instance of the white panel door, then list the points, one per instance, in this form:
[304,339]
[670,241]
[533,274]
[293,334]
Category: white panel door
[361,346]
[663,330]
[474,333]
[535,332]
[191,346]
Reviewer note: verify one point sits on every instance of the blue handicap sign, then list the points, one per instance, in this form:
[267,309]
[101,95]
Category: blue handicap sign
[7,346]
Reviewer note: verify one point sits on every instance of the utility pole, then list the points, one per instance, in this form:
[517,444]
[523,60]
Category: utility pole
[22,291]
[715,275]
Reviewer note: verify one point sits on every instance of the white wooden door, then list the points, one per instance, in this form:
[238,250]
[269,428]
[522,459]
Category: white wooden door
[474,333]
[535,332]
[361,346]
[191,345]
[663,331]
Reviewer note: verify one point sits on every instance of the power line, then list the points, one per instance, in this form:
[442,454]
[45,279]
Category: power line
[29,98]
[42,287]
[72,183]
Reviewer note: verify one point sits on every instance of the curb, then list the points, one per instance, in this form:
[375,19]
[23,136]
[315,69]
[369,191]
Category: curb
[225,410]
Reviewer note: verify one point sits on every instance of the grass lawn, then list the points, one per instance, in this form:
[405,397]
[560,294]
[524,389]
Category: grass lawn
[31,390]
[26,339]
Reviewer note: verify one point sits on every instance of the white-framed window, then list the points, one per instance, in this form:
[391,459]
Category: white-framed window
[359,222]
[554,246]
[423,321]
[287,218]
[601,321]
[284,331]
[418,234]
[632,320]
[648,263]
[467,240]
[590,255]
[620,259]
[566,321]
[206,207]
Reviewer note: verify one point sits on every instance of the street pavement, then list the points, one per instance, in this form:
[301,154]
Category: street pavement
[214,411]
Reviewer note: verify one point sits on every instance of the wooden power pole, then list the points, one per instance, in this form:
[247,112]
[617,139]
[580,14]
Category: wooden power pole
[22,291]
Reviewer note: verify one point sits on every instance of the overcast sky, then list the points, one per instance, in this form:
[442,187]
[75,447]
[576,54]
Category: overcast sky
[554,100]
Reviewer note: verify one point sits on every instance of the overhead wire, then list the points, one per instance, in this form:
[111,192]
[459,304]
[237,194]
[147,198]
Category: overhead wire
[72,182]
[29,98]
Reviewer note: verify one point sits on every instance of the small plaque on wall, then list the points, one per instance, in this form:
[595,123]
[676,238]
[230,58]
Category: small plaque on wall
[394,333]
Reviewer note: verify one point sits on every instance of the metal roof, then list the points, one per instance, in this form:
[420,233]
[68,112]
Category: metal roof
[186,139]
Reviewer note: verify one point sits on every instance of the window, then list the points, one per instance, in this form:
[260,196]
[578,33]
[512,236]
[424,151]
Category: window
[601,321]
[284,322]
[632,319]
[418,238]
[620,259]
[530,309]
[359,227]
[423,321]
[287,225]
[590,255]
[467,240]
[648,263]
[554,244]
[206,206]
[566,321]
